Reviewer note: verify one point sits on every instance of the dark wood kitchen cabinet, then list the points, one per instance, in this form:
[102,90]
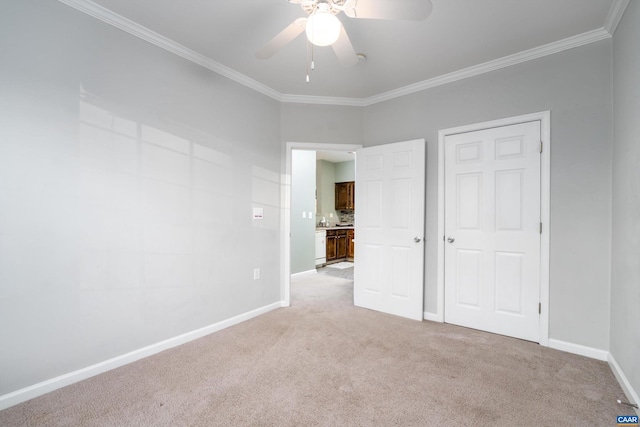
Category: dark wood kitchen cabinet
[345,196]
[342,244]
[351,244]
[337,244]
[332,246]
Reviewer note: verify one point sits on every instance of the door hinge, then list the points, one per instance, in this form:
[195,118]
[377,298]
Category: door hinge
[539,308]
[541,146]
[540,228]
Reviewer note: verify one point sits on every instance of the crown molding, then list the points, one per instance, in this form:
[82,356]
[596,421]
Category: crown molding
[506,61]
[323,100]
[135,29]
[615,15]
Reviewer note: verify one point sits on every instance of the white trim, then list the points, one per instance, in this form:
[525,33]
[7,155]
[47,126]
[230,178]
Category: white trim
[631,394]
[107,16]
[545,218]
[286,210]
[324,100]
[440,235]
[615,15]
[52,384]
[545,197]
[582,350]
[496,64]
[432,317]
[305,273]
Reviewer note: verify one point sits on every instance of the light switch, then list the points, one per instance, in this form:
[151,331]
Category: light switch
[304,215]
[310,215]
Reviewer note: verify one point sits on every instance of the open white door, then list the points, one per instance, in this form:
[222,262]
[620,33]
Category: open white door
[389,224]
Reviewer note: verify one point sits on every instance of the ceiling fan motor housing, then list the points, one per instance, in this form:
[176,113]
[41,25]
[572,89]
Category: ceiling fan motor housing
[334,6]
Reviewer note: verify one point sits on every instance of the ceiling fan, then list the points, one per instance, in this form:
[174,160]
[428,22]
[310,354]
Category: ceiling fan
[323,28]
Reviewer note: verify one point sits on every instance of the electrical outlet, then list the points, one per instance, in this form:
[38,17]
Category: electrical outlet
[256,273]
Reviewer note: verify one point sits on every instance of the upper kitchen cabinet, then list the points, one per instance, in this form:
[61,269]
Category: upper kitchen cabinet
[345,196]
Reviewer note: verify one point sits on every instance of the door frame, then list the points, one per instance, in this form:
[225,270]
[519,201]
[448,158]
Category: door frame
[545,192]
[285,218]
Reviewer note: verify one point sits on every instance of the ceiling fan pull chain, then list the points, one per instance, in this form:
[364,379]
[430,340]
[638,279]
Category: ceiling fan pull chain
[313,64]
[307,60]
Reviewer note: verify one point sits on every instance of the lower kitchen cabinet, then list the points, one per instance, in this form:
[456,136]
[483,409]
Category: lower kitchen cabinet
[332,246]
[342,244]
[339,244]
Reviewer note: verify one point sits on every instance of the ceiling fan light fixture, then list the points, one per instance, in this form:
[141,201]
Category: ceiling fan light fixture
[323,28]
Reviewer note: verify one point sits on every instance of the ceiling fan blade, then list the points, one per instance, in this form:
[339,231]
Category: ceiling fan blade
[283,38]
[402,10]
[344,49]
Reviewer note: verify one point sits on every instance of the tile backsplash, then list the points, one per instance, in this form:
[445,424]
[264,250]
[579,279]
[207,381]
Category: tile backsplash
[346,216]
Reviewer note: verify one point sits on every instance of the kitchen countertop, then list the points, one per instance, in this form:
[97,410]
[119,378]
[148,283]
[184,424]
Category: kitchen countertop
[349,227]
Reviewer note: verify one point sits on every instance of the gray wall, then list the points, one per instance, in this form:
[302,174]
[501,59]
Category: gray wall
[346,171]
[328,124]
[327,174]
[303,198]
[625,278]
[326,188]
[575,86]
[127,180]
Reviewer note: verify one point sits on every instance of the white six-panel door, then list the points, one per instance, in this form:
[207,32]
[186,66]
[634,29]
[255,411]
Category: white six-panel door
[492,230]
[389,228]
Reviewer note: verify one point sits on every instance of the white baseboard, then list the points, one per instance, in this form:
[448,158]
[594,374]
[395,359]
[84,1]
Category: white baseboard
[433,317]
[624,381]
[605,356]
[47,386]
[304,273]
[582,350]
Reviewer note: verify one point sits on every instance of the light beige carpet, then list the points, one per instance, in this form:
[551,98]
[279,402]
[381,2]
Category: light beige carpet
[324,362]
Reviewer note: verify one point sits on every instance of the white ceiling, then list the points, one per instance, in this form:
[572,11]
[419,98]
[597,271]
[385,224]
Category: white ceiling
[459,34]
[335,156]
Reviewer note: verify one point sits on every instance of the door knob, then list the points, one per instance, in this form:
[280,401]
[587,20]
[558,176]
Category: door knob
[417,239]
[451,240]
